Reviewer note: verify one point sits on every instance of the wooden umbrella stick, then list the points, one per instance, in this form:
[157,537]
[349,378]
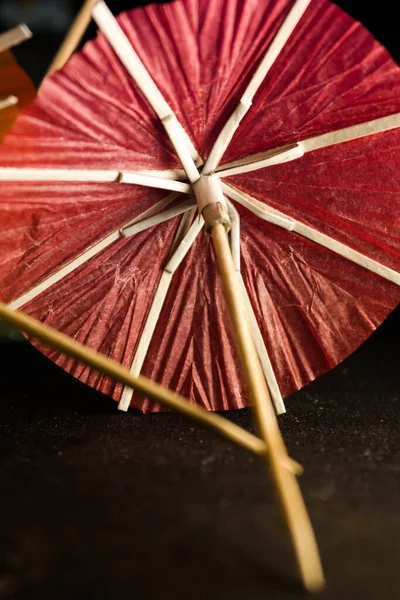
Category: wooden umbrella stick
[14,36]
[74,37]
[289,494]
[141,385]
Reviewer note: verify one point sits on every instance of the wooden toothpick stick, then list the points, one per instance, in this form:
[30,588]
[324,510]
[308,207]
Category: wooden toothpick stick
[14,37]
[141,385]
[73,38]
[289,494]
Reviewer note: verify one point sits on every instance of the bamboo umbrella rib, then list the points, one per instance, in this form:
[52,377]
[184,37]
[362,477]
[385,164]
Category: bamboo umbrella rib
[255,329]
[153,210]
[262,352]
[281,155]
[86,255]
[268,60]
[130,230]
[354,132]
[141,385]
[158,302]
[60,175]
[7,102]
[175,174]
[64,271]
[234,234]
[14,37]
[124,50]
[267,213]
[156,182]
[260,161]
[184,225]
[91,176]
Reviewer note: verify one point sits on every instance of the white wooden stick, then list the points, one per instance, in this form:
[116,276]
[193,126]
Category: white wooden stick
[261,161]
[85,256]
[37,174]
[270,56]
[157,304]
[155,182]
[14,37]
[7,102]
[262,352]
[153,210]
[91,175]
[185,245]
[351,133]
[285,154]
[130,230]
[173,130]
[147,334]
[175,174]
[266,212]
[255,330]
[234,234]
[64,271]
[124,50]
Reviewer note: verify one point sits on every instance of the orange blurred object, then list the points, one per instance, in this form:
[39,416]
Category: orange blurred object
[13,82]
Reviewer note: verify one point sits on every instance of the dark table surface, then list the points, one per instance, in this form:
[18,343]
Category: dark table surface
[97,503]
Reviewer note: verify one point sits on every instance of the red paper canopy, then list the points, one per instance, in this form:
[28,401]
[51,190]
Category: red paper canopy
[312,306]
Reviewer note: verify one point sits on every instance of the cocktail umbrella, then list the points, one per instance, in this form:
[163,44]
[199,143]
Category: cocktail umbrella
[16,89]
[312,207]
[307,170]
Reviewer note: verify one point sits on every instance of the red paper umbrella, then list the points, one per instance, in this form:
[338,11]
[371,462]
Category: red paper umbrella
[16,89]
[292,111]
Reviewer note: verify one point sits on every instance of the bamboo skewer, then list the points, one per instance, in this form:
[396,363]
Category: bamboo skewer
[73,38]
[142,385]
[289,494]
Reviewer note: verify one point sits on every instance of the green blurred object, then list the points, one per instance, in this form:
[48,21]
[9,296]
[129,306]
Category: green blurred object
[10,335]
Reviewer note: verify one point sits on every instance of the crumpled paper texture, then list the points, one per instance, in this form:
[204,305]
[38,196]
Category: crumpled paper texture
[314,308]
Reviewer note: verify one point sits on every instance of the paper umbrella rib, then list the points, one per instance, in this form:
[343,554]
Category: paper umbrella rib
[276,217]
[92,251]
[271,54]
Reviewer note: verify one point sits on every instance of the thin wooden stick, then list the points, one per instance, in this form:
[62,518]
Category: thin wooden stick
[123,48]
[273,51]
[254,327]
[143,386]
[272,215]
[86,255]
[289,494]
[184,243]
[92,175]
[14,37]
[7,102]
[73,38]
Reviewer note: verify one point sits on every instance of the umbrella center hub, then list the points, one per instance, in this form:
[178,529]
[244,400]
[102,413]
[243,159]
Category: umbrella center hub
[211,201]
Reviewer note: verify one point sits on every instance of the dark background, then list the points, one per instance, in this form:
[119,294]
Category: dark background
[96,503]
